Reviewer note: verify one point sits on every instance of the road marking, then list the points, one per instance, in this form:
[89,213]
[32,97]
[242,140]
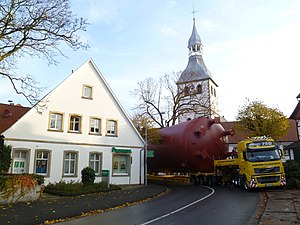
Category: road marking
[182,208]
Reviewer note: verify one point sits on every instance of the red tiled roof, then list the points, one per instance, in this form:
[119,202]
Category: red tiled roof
[291,135]
[9,114]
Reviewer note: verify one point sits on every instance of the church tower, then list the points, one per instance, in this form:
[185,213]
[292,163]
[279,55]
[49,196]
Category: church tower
[197,89]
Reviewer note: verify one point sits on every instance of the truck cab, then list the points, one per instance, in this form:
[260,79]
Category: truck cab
[256,164]
[260,163]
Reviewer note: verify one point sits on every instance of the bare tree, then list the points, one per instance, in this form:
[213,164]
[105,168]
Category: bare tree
[143,123]
[164,102]
[35,28]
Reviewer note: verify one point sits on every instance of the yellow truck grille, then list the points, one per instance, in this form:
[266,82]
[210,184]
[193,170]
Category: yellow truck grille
[268,179]
[267,170]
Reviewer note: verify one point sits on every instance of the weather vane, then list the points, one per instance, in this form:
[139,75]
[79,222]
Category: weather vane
[194,12]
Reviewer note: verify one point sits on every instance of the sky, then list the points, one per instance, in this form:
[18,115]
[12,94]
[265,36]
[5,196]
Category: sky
[251,48]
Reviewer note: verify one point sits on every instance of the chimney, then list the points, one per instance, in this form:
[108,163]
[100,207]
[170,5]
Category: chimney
[10,102]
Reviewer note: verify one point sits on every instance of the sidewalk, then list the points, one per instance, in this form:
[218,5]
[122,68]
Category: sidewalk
[282,208]
[51,207]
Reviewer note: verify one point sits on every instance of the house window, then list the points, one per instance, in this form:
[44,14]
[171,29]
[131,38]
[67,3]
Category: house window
[95,162]
[111,128]
[95,126]
[87,92]
[20,161]
[75,123]
[70,163]
[121,164]
[42,162]
[56,121]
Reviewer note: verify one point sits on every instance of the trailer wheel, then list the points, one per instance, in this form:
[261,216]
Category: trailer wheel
[210,181]
[193,180]
[235,180]
[201,180]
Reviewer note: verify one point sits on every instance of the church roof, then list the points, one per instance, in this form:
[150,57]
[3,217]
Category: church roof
[195,70]
[195,37]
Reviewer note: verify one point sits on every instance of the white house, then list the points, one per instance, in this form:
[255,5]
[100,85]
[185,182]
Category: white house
[82,124]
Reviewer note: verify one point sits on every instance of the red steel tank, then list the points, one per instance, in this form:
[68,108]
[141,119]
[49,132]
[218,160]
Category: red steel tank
[189,147]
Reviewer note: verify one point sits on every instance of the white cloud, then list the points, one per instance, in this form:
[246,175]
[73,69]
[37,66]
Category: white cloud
[263,67]
[208,25]
[168,31]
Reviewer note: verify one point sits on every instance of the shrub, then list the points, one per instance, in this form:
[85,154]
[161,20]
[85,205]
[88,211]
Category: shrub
[76,188]
[39,178]
[88,176]
[5,157]
[292,172]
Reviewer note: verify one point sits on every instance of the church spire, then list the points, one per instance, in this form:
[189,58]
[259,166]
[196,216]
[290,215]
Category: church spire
[195,83]
[196,68]
[194,44]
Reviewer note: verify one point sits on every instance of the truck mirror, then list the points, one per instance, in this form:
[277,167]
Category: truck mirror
[281,153]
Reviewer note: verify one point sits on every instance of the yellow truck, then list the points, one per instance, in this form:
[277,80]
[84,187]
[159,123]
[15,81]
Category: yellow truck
[256,164]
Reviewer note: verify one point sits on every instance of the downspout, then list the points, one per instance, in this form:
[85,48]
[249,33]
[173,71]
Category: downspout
[141,164]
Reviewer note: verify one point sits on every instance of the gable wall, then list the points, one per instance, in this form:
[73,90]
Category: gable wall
[31,133]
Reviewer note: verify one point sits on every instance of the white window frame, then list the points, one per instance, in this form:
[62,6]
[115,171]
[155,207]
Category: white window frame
[42,160]
[55,119]
[73,123]
[86,95]
[111,127]
[117,169]
[67,164]
[18,160]
[92,125]
[93,162]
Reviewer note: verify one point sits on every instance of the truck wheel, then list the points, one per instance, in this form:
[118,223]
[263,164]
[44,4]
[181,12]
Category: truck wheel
[245,183]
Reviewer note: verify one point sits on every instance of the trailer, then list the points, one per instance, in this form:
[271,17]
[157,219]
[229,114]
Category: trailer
[198,149]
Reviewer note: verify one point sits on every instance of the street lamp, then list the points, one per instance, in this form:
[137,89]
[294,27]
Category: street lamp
[146,154]
[146,151]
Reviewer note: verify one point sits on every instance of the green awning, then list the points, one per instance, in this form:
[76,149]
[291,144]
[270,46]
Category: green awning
[121,150]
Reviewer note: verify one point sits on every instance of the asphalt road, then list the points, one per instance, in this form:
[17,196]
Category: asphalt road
[185,204]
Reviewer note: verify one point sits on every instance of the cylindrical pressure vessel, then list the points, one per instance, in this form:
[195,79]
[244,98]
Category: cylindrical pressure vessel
[189,147]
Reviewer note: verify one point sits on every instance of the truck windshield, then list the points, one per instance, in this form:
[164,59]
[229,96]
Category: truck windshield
[263,155]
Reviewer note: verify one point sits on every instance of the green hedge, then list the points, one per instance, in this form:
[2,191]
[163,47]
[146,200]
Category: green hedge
[292,172]
[77,188]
